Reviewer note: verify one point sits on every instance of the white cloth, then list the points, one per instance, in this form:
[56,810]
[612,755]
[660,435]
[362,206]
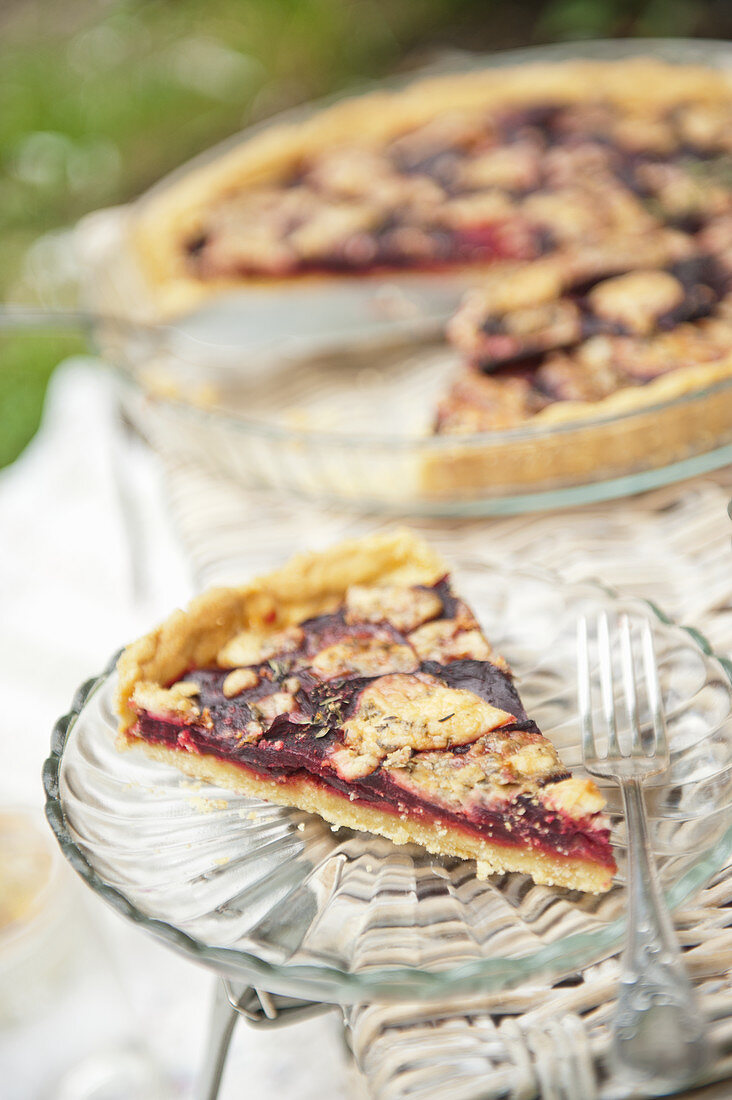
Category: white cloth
[64,566]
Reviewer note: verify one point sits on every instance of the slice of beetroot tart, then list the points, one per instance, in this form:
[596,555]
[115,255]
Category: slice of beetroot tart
[357,685]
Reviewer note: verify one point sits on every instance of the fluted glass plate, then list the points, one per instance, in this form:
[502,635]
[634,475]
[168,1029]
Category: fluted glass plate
[278,898]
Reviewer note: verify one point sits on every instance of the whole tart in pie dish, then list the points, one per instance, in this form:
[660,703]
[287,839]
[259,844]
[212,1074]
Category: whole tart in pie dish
[588,201]
[354,683]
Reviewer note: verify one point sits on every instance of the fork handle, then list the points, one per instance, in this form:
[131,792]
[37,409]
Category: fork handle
[658,1033]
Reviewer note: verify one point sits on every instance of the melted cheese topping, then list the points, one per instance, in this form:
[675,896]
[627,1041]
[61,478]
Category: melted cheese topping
[241,679]
[449,778]
[270,707]
[496,769]
[251,647]
[638,299]
[368,656]
[173,702]
[420,713]
[575,797]
[443,641]
[404,608]
[416,713]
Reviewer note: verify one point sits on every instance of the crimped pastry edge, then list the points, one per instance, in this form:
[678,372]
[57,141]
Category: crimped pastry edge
[636,429]
[308,584]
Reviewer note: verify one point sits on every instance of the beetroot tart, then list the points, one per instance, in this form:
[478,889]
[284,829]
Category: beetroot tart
[356,684]
[588,204]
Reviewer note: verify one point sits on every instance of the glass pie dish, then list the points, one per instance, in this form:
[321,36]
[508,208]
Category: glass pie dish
[327,389]
[405,472]
[279,899]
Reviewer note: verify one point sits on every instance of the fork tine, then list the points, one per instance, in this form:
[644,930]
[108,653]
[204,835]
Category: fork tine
[631,699]
[655,699]
[589,749]
[606,684]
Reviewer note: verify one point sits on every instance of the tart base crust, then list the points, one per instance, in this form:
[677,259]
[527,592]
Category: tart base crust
[637,435]
[544,868]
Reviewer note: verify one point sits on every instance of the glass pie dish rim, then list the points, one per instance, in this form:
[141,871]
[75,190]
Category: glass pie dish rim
[499,437]
[387,983]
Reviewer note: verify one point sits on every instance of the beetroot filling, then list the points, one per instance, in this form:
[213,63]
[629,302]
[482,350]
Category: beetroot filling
[298,745]
[297,752]
[479,243]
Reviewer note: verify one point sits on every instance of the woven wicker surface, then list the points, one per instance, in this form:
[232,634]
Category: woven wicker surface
[550,1041]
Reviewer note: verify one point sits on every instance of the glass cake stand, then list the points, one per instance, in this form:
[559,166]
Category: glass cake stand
[295,916]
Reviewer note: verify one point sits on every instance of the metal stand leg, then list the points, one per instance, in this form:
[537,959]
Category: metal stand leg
[259,1009]
[222,1019]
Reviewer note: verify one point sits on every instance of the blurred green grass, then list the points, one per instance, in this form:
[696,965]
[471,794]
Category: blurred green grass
[98,101]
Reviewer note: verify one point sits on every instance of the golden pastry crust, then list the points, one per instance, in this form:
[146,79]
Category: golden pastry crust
[635,429]
[175,210]
[308,585]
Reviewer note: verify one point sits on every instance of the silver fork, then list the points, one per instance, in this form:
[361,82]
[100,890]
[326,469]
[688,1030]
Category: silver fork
[658,1033]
